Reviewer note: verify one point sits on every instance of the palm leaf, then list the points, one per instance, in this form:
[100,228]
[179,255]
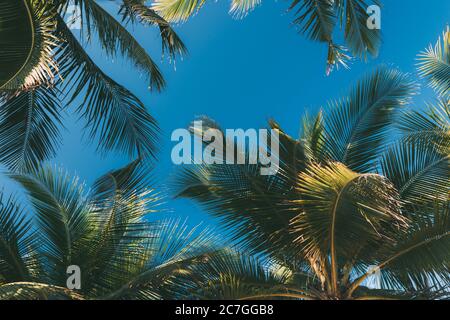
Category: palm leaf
[36,291]
[316,18]
[356,128]
[340,211]
[359,38]
[61,211]
[177,10]
[27,44]
[114,115]
[418,170]
[18,243]
[29,130]
[136,10]
[434,64]
[115,38]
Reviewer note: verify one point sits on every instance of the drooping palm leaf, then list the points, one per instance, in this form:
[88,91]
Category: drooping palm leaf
[136,10]
[359,38]
[115,39]
[29,128]
[114,115]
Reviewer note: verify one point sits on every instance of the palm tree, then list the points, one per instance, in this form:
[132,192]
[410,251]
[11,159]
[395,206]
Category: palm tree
[316,19]
[44,68]
[105,232]
[364,190]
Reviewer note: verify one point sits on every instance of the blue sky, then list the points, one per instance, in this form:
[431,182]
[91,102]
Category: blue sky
[242,73]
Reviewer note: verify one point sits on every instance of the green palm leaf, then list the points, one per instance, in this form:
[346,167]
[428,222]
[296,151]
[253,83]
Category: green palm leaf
[434,64]
[27,44]
[29,128]
[419,171]
[340,211]
[136,10]
[359,38]
[17,243]
[61,211]
[36,291]
[114,115]
[356,127]
[115,38]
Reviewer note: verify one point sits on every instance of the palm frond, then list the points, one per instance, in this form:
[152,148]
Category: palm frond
[316,18]
[60,207]
[177,10]
[359,38]
[428,127]
[418,170]
[36,291]
[29,128]
[135,10]
[27,45]
[434,64]
[357,127]
[240,8]
[115,38]
[339,211]
[420,258]
[114,115]
[17,243]
[252,206]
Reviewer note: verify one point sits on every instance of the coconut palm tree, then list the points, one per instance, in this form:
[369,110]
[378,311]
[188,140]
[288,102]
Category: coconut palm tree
[316,19]
[106,233]
[363,191]
[45,68]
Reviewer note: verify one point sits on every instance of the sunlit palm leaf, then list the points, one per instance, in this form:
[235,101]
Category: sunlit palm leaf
[177,10]
[434,64]
[340,211]
[171,42]
[36,291]
[29,128]
[240,8]
[27,44]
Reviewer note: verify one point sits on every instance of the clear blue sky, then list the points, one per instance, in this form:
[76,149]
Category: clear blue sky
[243,72]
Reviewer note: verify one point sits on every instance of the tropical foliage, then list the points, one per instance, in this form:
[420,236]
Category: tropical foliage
[361,195]
[316,19]
[45,67]
[364,190]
